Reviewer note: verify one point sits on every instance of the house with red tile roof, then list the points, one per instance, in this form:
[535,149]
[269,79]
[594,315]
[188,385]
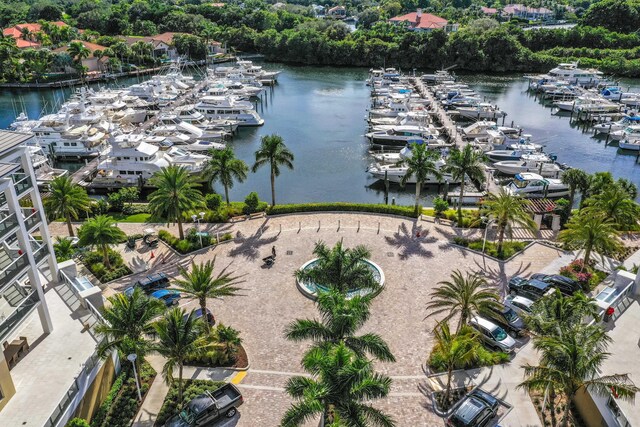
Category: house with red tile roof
[490,11]
[22,41]
[163,44]
[419,21]
[94,65]
[526,12]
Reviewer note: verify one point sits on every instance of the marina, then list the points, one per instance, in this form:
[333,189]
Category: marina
[333,152]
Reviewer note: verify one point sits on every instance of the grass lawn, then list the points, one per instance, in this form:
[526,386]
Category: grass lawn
[138,217]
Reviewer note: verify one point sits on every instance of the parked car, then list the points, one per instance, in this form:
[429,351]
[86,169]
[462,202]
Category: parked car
[521,305]
[507,318]
[168,296]
[564,284]
[532,289]
[477,409]
[493,335]
[153,282]
[208,407]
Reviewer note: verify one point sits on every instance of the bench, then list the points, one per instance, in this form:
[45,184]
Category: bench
[238,218]
[256,215]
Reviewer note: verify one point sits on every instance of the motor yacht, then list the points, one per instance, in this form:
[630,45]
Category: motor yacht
[608,127]
[630,132]
[403,135]
[532,185]
[502,155]
[395,173]
[224,107]
[172,120]
[630,144]
[512,167]
[574,75]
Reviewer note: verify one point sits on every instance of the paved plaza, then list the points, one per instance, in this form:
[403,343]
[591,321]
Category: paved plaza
[412,264]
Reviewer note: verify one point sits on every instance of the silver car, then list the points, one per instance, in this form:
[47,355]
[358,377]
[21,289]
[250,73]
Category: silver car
[493,334]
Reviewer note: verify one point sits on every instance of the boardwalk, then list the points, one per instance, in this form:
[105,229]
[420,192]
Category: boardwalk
[80,176]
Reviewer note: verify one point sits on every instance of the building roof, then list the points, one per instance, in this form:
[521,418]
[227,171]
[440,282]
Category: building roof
[22,44]
[336,8]
[512,9]
[425,20]
[12,32]
[166,38]
[10,139]
[91,46]
[489,10]
[7,168]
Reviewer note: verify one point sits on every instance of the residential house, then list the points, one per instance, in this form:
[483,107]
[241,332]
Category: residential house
[489,11]
[337,12]
[526,12]
[94,65]
[48,361]
[25,34]
[163,45]
[419,21]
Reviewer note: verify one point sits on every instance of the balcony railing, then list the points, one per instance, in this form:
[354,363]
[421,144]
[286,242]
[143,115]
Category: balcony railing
[8,224]
[22,310]
[12,272]
[41,253]
[31,220]
[23,185]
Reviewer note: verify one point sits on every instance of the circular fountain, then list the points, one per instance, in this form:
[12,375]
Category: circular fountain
[310,289]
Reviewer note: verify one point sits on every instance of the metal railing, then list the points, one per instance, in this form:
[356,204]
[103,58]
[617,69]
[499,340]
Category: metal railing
[32,220]
[22,310]
[41,253]
[23,185]
[8,224]
[11,272]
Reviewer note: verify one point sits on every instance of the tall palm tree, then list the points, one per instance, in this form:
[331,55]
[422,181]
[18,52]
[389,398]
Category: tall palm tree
[340,389]
[462,164]
[340,319]
[507,210]
[275,153]
[224,167]
[179,337]
[614,203]
[340,268]
[66,200]
[201,284]
[454,351]
[576,179]
[102,232]
[78,51]
[464,296]
[127,321]
[422,165]
[176,193]
[591,232]
[555,313]
[571,362]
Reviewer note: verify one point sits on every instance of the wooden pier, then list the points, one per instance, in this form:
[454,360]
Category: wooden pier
[85,173]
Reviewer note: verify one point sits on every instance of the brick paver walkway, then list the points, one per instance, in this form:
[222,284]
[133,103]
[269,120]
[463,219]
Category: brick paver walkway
[412,266]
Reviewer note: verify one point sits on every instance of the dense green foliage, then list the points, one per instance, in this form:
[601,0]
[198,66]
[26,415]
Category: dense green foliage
[509,249]
[346,207]
[94,261]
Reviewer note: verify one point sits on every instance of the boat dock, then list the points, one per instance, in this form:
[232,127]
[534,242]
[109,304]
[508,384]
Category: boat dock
[83,175]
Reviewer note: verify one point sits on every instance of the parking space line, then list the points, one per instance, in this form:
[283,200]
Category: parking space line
[237,378]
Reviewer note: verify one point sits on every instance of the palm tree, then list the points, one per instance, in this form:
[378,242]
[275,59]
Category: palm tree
[63,249]
[126,321]
[102,232]
[454,351]
[506,210]
[576,179]
[229,340]
[78,51]
[340,268]
[179,337]
[273,152]
[614,203]
[422,165]
[462,164]
[224,167]
[200,284]
[555,313]
[66,200]
[571,362]
[464,296]
[176,193]
[340,319]
[591,232]
[340,389]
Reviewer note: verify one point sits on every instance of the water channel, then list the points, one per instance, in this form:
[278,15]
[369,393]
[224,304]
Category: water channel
[320,112]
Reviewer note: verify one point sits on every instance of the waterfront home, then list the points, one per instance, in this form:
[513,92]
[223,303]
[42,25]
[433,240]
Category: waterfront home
[419,21]
[489,11]
[25,34]
[163,46]
[93,64]
[526,12]
[337,12]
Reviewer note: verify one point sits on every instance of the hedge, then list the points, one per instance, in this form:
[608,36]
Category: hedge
[407,211]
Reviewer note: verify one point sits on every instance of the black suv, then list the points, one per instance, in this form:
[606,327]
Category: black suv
[564,284]
[476,410]
[507,318]
[153,282]
[532,289]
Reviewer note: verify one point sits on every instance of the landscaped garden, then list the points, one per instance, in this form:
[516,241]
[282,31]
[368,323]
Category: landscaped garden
[192,388]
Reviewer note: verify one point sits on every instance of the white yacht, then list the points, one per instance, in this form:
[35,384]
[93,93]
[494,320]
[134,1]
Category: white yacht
[203,146]
[574,75]
[482,110]
[189,114]
[478,129]
[172,120]
[630,132]
[532,185]
[402,135]
[249,68]
[45,173]
[630,144]
[502,155]
[223,107]
[418,117]
[395,173]
[606,128]
[512,167]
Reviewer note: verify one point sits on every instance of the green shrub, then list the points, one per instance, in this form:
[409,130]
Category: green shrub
[225,237]
[78,422]
[192,388]
[440,206]
[251,203]
[213,201]
[491,248]
[93,261]
[101,413]
[184,246]
[407,211]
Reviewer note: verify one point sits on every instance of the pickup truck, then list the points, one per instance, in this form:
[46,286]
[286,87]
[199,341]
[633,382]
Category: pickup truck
[208,407]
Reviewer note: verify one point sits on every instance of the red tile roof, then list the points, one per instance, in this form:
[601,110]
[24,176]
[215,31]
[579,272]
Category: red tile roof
[91,46]
[489,10]
[22,44]
[16,30]
[12,32]
[427,20]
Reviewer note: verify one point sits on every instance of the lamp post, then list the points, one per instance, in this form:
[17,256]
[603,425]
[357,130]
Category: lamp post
[132,358]
[197,220]
[484,240]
